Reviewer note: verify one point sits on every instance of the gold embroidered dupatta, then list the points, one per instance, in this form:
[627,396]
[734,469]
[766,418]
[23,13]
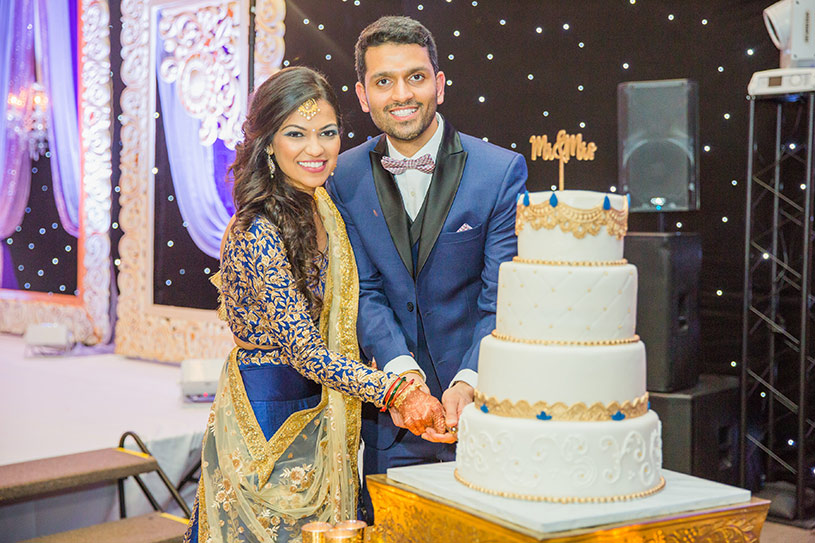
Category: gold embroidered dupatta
[257,490]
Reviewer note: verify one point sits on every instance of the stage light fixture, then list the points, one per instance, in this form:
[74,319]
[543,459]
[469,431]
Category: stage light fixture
[199,378]
[47,338]
[790,24]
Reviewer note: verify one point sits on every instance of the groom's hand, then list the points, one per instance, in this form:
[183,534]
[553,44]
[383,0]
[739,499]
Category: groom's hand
[454,400]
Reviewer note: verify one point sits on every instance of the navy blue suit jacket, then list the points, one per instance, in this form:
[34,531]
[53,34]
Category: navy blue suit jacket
[454,284]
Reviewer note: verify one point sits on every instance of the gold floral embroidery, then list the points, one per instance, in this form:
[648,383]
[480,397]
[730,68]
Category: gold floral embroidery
[265,453]
[298,478]
[265,309]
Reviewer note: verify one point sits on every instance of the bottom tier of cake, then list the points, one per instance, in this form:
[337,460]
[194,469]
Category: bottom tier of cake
[560,461]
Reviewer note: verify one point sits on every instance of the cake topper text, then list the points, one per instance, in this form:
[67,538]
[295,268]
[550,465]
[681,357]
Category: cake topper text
[563,149]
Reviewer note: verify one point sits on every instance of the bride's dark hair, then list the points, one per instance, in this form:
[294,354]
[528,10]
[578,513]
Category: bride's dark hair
[256,192]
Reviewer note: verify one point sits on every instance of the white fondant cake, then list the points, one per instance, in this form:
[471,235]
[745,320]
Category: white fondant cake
[561,411]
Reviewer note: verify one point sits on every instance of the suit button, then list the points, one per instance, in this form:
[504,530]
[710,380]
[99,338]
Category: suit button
[410,307]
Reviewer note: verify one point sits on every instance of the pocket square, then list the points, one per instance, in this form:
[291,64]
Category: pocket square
[464,227]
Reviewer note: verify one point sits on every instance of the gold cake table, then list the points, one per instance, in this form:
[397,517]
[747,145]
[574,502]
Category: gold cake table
[406,514]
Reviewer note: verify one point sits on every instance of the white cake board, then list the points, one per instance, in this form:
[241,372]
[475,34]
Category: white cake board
[682,493]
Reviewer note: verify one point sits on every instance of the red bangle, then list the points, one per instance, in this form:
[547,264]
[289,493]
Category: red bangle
[387,392]
[397,394]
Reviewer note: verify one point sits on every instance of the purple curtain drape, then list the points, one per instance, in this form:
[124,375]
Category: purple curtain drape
[16,76]
[29,40]
[196,170]
[56,60]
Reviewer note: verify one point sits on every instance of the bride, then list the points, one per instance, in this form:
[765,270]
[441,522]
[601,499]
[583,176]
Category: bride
[280,447]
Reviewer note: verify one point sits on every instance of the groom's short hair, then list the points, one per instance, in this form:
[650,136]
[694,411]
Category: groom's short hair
[393,29]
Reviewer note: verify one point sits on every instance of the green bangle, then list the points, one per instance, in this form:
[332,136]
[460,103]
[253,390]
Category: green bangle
[402,381]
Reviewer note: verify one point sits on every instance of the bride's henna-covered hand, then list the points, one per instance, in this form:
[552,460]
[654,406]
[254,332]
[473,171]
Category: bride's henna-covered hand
[419,411]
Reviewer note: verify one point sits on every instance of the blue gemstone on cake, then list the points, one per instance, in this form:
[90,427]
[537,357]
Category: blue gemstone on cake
[526,197]
[484,408]
[618,416]
[553,200]
[543,416]
[606,203]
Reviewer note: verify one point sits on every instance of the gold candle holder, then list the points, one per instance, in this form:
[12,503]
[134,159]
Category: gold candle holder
[353,525]
[356,526]
[339,535]
[315,532]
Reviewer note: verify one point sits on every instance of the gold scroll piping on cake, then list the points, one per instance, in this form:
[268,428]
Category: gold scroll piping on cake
[570,219]
[559,411]
[565,499]
[602,342]
[598,263]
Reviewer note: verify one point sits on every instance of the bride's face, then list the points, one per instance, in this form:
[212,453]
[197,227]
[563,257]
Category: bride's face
[306,148]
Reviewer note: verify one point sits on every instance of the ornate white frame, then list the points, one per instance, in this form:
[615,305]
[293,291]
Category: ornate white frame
[87,315]
[145,329]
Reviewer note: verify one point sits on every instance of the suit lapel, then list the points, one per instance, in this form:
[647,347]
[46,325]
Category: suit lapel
[442,191]
[392,207]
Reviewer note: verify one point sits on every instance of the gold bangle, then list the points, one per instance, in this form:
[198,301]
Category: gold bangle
[603,342]
[400,399]
[404,373]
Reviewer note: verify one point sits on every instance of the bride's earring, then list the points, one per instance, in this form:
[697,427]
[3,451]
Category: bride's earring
[269,161]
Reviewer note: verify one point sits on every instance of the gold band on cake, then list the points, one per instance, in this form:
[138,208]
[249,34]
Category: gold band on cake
[559,411]
[599,343]
[571,219]
[564,499]
[621,262]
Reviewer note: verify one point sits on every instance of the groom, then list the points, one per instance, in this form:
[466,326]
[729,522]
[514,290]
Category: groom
[430,213]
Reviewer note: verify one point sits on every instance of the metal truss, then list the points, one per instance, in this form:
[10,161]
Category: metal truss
[777,416]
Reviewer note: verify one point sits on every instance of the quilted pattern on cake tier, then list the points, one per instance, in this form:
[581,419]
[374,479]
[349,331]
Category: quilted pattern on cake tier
[566,303]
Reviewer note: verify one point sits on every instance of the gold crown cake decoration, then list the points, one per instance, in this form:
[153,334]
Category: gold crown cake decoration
[553,213]
[559,411]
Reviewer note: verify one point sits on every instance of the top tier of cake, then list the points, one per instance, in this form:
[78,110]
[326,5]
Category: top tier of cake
[548,224]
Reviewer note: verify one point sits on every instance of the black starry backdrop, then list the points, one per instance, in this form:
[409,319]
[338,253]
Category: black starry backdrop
[43,253]
[523,68]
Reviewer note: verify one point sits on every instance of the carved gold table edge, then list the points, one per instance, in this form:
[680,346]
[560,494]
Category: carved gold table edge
[406,514]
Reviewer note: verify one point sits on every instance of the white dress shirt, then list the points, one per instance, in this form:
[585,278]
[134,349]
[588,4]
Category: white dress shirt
[413,185]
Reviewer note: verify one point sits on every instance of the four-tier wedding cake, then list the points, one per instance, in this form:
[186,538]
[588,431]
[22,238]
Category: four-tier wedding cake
[561,411]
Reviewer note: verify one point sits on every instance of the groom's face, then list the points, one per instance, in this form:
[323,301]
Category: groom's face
[401,91]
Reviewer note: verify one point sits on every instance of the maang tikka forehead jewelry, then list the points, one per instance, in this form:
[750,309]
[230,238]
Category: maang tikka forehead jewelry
[308,109]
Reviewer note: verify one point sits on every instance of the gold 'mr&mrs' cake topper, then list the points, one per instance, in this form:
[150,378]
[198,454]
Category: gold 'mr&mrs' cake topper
[564,148]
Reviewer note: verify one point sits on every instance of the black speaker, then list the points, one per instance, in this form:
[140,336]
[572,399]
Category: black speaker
[700,428]
[669,267]
[658,144]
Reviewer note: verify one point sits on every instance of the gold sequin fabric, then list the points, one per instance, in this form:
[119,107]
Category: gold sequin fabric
[264,308]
